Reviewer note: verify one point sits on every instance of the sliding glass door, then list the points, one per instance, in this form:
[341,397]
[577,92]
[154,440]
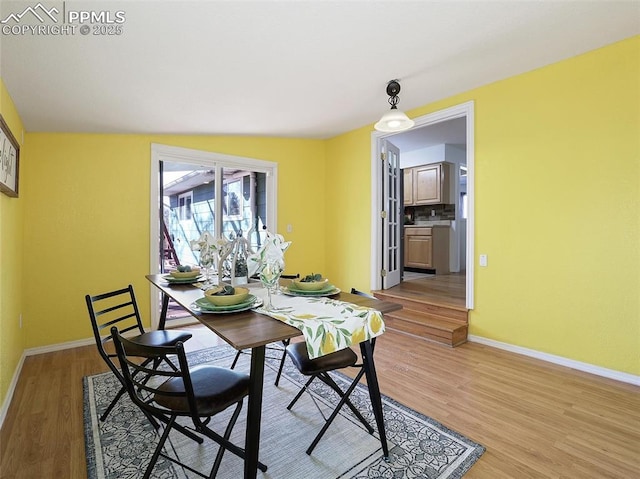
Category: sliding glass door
[197,192]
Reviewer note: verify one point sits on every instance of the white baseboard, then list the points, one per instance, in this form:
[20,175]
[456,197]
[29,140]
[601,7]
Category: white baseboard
[12,389]
[59,347]
[32,352]
[551,358]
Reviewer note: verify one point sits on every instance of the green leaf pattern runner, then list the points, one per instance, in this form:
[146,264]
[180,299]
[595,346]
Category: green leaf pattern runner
[327,324]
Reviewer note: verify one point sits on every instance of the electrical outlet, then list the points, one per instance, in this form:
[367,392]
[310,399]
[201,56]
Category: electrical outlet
[483,260]
[289,228]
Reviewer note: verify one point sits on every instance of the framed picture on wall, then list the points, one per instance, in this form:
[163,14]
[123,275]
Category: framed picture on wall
[9,161]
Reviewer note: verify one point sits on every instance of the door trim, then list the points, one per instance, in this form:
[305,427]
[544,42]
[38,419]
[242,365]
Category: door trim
[463,110]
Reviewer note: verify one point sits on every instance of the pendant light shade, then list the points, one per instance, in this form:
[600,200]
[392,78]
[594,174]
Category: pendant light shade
[394,120]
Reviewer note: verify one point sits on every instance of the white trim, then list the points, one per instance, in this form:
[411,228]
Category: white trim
[463,110]
[10,392]
[375,259]
[559,360]
[60,346]
[198,157]
[471,195]
[32,352]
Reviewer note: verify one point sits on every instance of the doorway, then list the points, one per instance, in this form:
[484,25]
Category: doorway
[462,229]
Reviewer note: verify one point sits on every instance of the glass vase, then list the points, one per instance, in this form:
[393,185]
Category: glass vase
[270,277]
[206,263]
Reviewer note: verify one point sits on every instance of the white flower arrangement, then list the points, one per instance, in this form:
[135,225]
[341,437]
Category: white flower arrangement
[271,252]
[212,249]
[206,246]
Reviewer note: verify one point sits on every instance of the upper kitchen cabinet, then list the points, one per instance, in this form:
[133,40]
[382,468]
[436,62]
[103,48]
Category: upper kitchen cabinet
[427,185]
[408,186]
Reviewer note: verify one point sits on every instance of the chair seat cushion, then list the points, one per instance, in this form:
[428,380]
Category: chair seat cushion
[162,337]
[215,389]
[329,362]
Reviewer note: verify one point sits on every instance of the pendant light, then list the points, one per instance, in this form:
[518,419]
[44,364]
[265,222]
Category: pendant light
[394,120]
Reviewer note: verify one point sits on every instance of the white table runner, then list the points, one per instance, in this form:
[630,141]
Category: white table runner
[327,324]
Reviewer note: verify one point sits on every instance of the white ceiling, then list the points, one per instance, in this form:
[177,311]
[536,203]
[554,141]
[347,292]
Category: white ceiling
[310,69]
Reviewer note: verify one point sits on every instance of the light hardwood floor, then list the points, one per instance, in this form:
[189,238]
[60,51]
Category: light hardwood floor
[442,289]
[536,420]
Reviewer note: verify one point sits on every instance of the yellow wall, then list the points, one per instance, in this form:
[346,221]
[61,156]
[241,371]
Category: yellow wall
[11,247]
[558,158]
[557,208]
[348,233]
[557,212]
[87,207]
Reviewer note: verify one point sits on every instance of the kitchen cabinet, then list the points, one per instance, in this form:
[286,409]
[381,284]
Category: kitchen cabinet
[427,185]
[427,248]
[408,186]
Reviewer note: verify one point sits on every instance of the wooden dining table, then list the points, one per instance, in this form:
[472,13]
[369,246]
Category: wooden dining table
[252,330]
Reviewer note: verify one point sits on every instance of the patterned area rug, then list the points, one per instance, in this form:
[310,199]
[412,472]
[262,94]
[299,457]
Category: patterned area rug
[419,447]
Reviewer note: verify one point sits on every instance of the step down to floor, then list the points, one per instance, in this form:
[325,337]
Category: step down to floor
[427,326]
[445,324]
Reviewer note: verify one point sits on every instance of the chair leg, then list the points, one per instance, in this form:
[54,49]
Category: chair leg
[330,382]
[168,361]
[225,443]
[343,400]
[302,390]
[113,403]
[285,342]
[235,360]
[227,435]
[178,427]
[152,420]
[170,423]
[158,450]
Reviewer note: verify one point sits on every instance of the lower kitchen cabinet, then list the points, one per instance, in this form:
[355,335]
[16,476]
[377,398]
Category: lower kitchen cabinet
[427,248]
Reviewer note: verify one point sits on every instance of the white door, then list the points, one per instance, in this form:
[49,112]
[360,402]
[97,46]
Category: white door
[391,210]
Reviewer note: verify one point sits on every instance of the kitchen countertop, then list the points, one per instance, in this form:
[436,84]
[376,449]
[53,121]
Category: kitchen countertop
[430,223]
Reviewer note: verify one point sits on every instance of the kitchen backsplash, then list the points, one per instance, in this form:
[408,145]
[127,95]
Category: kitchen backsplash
[413,214]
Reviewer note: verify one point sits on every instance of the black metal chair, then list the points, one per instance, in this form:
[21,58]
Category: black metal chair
[320,368]
[119,308]
[285,343]
[166,394]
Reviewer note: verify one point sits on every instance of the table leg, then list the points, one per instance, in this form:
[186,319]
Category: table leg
[366,348]
[254,413]
[163,312]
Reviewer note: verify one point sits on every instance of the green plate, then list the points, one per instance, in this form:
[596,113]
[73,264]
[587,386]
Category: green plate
[324,290]
[329,291]
[205,305]
[171,279]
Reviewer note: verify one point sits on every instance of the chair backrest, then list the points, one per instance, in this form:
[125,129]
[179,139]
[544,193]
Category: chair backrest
[115,308]
[156,389]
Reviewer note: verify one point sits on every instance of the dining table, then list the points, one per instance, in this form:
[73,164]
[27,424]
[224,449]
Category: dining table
[252,330]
